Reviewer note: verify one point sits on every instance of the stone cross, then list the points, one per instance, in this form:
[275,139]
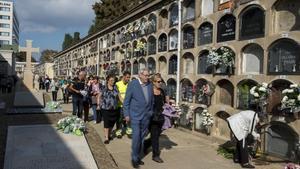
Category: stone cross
[28,75]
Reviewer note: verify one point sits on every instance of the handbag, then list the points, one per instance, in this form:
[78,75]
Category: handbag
[94,99]
[250,138]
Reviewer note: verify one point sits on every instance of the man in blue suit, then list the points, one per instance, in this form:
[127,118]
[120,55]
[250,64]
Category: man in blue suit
[138,109]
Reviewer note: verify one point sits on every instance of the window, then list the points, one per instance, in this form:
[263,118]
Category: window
[6,17]
[4,25]
[4,33]
[4,42]
[7,9]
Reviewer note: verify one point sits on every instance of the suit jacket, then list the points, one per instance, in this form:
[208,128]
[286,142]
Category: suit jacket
[135,105]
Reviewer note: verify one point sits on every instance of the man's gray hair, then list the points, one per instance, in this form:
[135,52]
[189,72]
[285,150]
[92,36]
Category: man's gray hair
[143,70]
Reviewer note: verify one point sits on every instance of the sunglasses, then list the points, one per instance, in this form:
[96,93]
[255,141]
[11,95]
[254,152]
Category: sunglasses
[158,81]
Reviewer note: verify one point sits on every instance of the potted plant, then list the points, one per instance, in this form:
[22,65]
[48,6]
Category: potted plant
[291,99]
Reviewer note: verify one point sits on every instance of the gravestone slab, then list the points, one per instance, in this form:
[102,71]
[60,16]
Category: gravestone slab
[29,99]
[43,147]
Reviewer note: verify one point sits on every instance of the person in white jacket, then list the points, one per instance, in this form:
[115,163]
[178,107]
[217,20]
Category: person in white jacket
[242,124]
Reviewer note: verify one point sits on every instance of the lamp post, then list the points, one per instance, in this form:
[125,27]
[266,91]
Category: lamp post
[178,53]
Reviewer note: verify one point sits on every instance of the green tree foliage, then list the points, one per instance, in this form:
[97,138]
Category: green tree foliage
[76,38]
[47,55]
[21,57]
[68,41]
[108,10]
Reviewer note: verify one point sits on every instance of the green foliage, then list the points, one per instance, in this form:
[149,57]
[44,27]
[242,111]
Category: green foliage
[68,41]
[108,10]
[46,55]
[226,152]
[21,57]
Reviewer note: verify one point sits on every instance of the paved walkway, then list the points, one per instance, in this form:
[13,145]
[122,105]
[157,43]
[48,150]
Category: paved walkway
[180,150]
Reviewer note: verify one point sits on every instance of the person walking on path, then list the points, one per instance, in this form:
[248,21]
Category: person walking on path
[157,119]
[47,83]
[109,107]
[242,126]
[122,87]
[54,88]
[77,88]
[138,109]
[65,92]
[96,88]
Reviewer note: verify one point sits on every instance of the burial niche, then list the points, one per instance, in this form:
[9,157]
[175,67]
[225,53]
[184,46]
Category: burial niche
[173,39]
[135,69]
[282,141]
[205,33]
[252,59]
[207,7]
[162,43]
[162,65]
[151,45]
[226,28]
[173,15]
[151,65]
[171,85]
[221,125]
[284,57]
[186,91]
[252,23]
[188,37]
[245,99]
[173,65]
[286,15]
[225,92]
[203,66]
[188,61]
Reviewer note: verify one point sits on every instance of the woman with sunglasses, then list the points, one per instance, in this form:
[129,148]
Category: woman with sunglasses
[157,119]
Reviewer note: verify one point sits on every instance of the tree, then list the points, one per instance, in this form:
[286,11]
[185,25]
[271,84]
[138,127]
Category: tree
[76,38]
[46,55]
[68,41]
[108,10]
[21,57]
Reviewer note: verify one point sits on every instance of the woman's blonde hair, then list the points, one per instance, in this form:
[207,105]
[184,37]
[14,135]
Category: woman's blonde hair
[155,76]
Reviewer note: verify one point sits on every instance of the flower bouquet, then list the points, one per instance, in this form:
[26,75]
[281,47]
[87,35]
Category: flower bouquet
[71,124]
[260,92]
[221,57]
[140,46]
[53,106]
[208,120]
[291,98]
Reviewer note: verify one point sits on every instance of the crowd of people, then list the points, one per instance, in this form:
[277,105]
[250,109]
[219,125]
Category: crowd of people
[130,106]
[138,107]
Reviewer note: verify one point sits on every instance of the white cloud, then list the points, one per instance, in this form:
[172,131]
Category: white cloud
[47,16]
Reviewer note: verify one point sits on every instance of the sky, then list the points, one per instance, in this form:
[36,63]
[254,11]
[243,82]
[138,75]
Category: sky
[46,21]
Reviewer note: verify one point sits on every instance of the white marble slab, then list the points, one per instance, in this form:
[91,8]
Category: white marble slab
[43,147]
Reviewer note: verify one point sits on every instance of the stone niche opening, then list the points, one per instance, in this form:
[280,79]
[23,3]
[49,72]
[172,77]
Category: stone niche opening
[171,85]
[281,141]
[286,15]
[187,91]
[198,117]
[225,91]
[199,96]
[252,59]
[221,125]
[162,65]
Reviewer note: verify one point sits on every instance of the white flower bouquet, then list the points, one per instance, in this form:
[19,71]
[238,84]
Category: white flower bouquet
[260,92]
[53,106]
[71,124]
[221,56]
[291,97]
[207,118]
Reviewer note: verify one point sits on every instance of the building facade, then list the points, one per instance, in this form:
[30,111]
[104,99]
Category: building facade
[9,24]
[44,69]
[261,36]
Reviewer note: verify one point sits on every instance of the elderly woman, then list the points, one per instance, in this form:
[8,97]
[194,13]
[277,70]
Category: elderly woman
[242,124]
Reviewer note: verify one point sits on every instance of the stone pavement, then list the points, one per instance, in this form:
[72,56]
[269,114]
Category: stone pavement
[180,150]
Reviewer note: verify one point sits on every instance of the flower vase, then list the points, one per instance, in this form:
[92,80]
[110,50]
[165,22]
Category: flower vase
[208,130]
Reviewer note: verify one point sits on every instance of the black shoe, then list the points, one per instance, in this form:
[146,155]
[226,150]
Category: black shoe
[141,162]
[135,164]
[106,142]
[110,138]
[157,159]
[119,136]
[247,166]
